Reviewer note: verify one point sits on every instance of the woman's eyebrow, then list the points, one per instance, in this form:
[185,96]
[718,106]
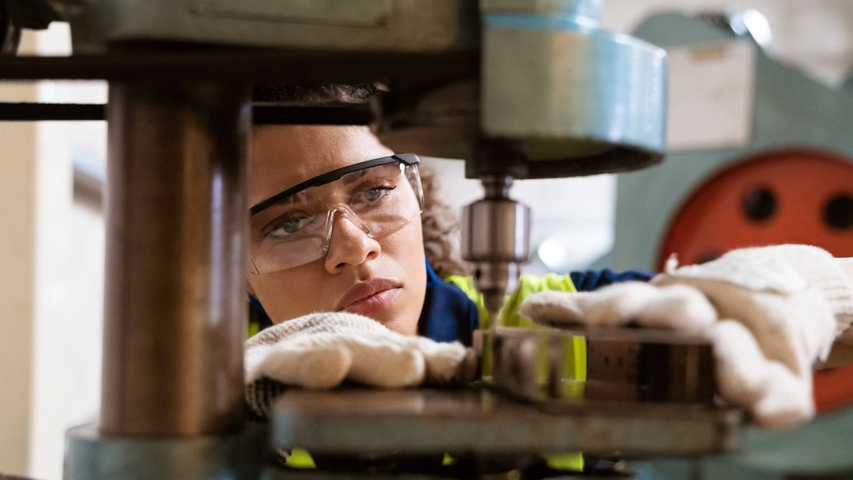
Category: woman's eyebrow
[297,197]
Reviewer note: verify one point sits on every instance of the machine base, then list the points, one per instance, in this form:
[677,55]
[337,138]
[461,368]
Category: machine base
[92,456]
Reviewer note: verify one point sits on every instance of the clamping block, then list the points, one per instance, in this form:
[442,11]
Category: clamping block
[602,364]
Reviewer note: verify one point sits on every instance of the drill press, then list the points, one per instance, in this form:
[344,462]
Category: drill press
[559,97]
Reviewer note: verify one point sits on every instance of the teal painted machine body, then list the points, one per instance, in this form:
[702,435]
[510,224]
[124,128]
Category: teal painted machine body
[790,110]
[822,449]
[586,90]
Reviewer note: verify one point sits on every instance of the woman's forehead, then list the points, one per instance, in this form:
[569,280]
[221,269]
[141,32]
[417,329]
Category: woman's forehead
[284,156]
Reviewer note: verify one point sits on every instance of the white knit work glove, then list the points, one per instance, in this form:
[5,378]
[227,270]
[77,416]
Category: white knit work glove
[773,312]
[321,350]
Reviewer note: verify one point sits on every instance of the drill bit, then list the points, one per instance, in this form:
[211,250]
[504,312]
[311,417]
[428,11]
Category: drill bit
[493,300]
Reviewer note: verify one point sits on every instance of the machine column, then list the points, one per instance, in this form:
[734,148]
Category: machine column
[175,312]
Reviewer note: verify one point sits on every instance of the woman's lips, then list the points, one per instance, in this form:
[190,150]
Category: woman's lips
[374,303]
[369,296]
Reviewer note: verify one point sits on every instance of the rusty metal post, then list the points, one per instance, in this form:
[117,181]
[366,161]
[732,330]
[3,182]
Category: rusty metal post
[175,295]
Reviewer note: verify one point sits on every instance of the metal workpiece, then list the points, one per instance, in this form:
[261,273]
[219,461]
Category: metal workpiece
[480,422]
[90,455]
[547,366]
[175,313]
[592,102]
[496,239]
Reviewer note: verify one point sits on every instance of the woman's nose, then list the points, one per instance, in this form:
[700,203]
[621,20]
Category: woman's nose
[349,244]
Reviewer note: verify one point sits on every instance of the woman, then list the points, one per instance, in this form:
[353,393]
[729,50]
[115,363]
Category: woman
[342,277]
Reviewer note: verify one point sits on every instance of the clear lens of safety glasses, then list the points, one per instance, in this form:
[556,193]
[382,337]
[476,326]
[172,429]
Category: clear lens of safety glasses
[296,228]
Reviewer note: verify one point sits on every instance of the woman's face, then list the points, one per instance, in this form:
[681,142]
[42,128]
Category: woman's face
[355,264]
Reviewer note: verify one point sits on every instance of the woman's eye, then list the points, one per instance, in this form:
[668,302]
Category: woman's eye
[289,225]
[376,193]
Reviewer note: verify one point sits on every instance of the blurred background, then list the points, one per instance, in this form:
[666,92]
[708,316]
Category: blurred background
[51,181]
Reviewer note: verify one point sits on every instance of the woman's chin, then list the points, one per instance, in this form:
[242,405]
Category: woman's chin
[397,321]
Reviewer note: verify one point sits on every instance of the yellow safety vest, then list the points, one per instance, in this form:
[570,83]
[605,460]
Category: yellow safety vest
[509,317]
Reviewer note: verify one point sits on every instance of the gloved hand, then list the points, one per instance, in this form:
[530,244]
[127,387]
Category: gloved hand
[773,312]
[321,350]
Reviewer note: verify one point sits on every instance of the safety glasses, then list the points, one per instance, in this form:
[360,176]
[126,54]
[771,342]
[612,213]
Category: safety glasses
[294,227]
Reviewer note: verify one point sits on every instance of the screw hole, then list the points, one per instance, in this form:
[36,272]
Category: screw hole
[838,213]
[759,205]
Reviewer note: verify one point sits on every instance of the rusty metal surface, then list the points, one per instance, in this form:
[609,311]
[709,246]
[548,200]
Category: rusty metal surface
[175,316]
[481,422]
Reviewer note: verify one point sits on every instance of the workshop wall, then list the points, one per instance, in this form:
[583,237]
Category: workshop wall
[17,182]
[816,35]
[51,280]
[36,196]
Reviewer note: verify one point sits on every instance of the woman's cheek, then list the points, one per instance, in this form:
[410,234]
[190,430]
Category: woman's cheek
[291,294]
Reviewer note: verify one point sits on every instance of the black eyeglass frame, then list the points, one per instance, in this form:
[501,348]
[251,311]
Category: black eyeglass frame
[407,159]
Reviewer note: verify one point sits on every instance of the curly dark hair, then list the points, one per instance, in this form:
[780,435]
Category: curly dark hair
[438,221]
[439,226]
[316,94]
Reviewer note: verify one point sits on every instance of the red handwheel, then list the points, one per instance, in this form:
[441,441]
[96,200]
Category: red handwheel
[833,388]
[784,196]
